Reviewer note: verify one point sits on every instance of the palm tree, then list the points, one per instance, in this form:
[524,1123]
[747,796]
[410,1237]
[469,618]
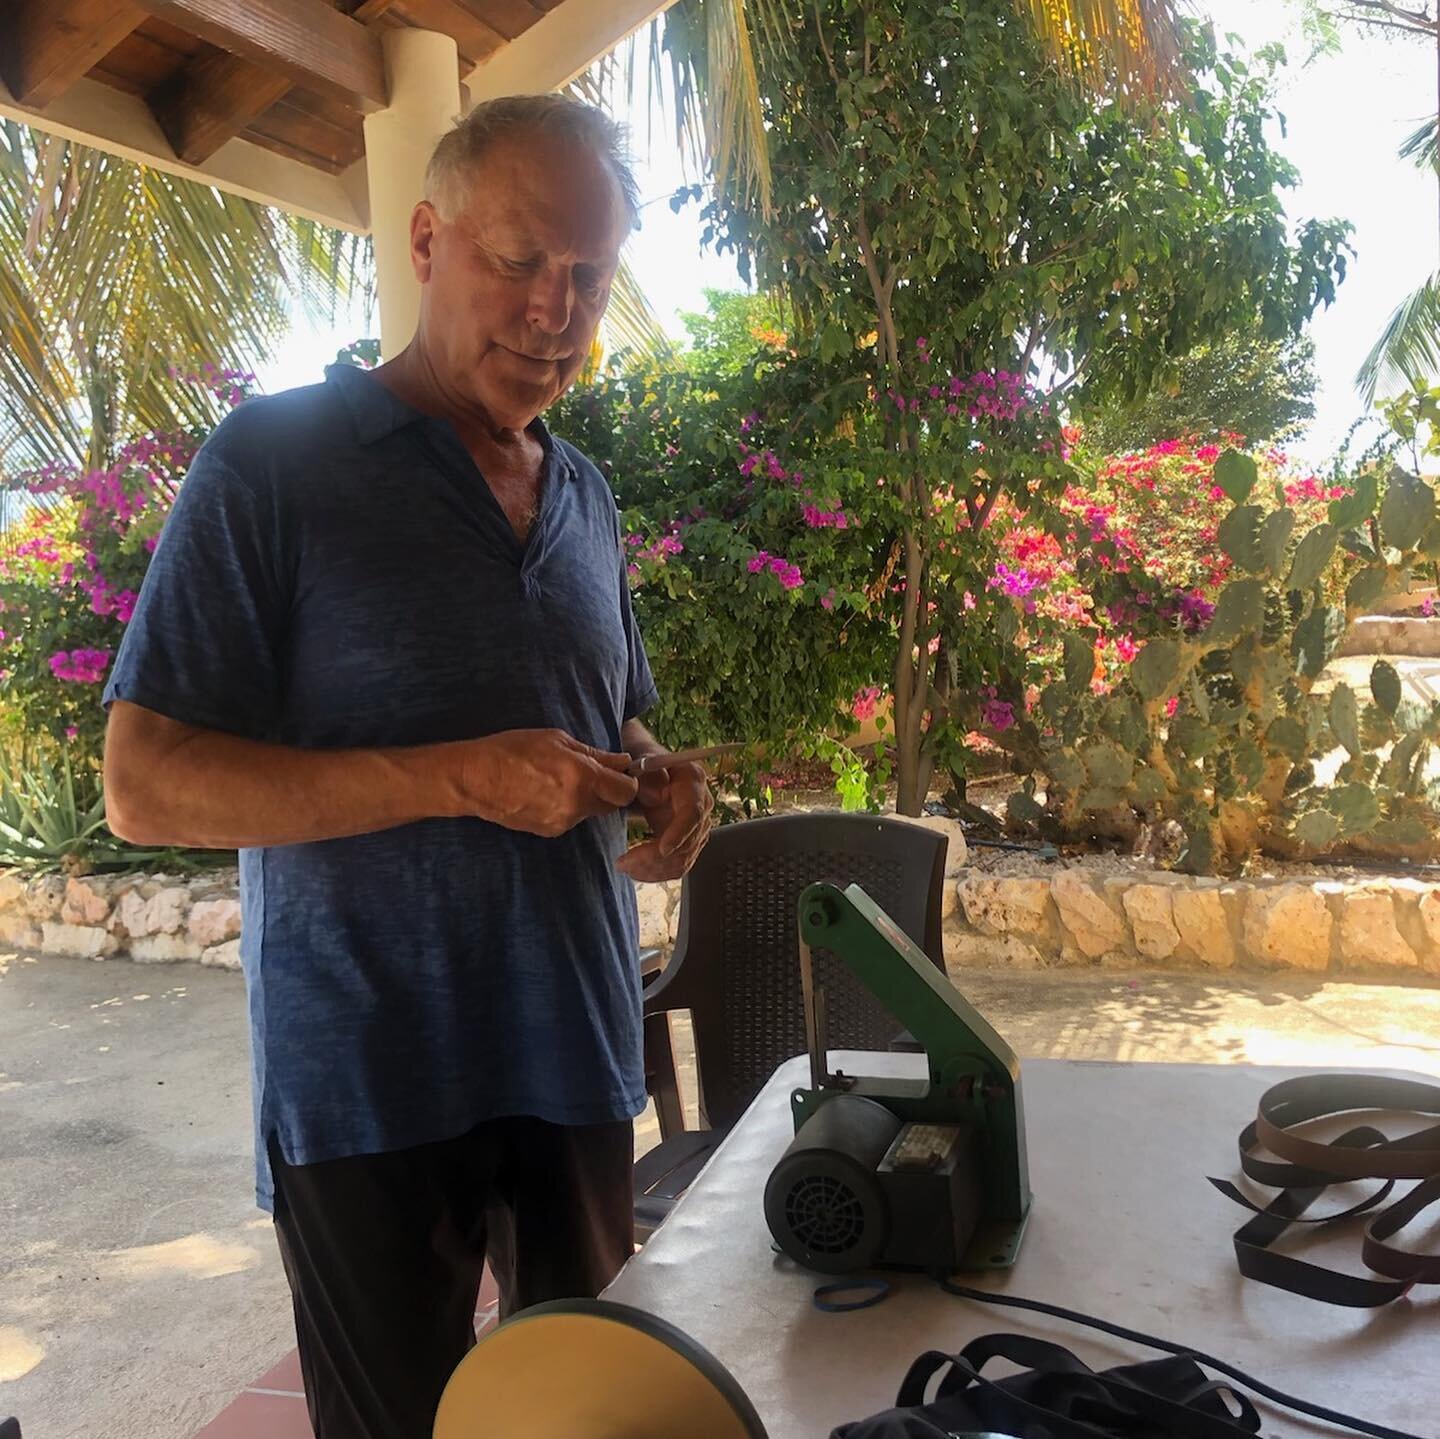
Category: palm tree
[1408,349]
[114,277]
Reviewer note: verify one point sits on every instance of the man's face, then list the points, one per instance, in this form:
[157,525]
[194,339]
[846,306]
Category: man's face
[515,282]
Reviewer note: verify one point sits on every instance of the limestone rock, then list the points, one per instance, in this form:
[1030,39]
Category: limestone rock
[1200,920]
[1430,919]
[12,889]
[19,930]
[1152,919]
[162,912]
[657,904]
[964,949]
[1093,925]
[79,941]
[223,956]
[1289,925]
[214,921]
[87,900]
[1002,904]
[44,896]
[957,853]
[1369,935]
[163,949]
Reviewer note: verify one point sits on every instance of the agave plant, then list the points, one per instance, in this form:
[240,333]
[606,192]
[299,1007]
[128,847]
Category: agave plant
[53,817]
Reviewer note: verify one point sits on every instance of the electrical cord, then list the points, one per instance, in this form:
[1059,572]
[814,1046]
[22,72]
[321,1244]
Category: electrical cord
[1276,1396]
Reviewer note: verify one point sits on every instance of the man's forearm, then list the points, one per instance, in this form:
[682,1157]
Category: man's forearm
[174,784]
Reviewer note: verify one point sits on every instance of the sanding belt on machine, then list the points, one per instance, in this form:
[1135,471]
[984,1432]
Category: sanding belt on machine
[1304,1168]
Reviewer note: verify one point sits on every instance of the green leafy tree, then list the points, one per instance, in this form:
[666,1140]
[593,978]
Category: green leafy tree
[943,200]
[725,336]
[1262,390]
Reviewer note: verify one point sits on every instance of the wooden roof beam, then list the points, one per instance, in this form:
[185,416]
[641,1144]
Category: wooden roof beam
[47,45]
[213,100]
[217,97]
[303,40]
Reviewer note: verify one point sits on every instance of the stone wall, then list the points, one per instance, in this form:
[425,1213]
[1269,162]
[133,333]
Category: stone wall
[1071,916]
[1027,918]
[148,918]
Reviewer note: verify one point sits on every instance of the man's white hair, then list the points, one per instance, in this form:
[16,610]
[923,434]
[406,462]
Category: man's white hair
[453,163]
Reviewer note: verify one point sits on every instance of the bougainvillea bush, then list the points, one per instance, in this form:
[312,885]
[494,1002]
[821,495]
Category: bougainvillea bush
[69,581]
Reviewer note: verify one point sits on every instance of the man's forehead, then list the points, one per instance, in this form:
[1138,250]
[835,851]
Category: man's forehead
[550,193]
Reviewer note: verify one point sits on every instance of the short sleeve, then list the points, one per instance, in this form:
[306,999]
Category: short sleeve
[205,642]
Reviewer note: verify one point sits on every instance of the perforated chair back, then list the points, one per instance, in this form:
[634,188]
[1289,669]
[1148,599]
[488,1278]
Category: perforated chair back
[737,958]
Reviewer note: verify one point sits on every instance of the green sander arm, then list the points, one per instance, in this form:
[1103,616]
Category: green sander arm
[973,1073]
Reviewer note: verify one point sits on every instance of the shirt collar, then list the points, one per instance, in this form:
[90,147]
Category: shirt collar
[377,412]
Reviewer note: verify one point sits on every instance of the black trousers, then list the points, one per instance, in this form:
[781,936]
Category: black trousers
[384,1255]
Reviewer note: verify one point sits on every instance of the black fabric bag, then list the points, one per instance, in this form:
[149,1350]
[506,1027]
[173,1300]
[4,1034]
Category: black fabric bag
[1058,1397]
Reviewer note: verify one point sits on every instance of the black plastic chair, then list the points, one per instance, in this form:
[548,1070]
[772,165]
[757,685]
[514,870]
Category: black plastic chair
[736,968]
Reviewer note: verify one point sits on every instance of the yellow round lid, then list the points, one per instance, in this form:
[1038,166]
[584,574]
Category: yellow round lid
[592,1369]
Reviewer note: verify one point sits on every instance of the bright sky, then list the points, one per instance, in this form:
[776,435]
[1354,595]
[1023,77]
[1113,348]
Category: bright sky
[1347,115]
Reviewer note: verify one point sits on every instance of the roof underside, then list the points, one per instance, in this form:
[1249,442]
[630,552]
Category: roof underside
[191,85]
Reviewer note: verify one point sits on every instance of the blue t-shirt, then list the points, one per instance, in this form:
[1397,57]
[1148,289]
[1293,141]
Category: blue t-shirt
[337,573]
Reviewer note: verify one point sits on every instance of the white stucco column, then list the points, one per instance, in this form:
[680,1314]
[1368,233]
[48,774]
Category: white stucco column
[423,70]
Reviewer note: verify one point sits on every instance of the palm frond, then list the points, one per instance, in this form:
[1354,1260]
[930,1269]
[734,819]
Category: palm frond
[115,277]
[1423,147]
[1127,45]
[631,322]
[1408,349]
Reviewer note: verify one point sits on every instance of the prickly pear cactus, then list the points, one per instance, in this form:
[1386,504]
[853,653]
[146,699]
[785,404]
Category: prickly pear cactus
[1228,731]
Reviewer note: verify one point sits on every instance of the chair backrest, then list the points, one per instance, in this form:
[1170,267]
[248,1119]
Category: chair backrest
[737,957]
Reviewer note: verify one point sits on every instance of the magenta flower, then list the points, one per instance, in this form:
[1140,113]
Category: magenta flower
[998,714]
[86,667]
[863,705]
[1017,583]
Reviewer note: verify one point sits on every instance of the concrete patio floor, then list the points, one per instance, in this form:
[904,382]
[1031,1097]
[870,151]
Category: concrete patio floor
[140,1290]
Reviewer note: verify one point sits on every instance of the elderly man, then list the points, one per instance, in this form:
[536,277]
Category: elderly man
[385,648]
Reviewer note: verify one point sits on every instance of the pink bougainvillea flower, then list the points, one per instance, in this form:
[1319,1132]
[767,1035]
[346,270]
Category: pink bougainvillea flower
[863,705]
[998,714]
[85,667]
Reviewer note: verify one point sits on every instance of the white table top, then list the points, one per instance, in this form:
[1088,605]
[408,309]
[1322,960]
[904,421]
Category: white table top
[1124,1227]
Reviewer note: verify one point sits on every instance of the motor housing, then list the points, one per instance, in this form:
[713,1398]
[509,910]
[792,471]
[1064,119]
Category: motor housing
[859,1188]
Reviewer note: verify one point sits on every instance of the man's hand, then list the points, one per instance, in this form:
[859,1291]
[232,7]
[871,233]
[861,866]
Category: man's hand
[676,804]
[542,781]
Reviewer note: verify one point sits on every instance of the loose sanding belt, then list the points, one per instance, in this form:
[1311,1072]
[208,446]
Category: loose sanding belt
[1307,1167]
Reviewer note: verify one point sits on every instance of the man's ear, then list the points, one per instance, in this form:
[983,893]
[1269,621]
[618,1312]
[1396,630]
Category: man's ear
[423,224]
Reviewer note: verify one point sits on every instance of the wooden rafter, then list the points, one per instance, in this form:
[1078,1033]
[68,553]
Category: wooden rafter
[215,98]
[47,45]
[212,100]
[303,40]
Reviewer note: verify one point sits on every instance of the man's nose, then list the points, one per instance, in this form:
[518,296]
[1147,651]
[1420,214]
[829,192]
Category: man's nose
[552,296]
